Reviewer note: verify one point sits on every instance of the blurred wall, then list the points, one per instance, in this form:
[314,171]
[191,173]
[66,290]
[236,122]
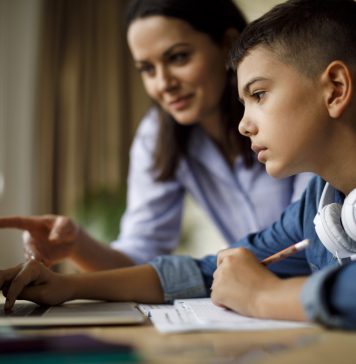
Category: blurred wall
[19,27]
[255,8]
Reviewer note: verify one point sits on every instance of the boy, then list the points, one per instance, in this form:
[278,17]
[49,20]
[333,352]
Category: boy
[296,69]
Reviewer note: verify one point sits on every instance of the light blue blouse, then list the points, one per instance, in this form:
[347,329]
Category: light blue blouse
[238,200]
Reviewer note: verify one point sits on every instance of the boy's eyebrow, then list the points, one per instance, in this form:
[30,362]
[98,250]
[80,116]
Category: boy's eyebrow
[246,88]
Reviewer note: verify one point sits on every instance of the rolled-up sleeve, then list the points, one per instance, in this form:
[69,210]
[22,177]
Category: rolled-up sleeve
[180,277]
[328,296]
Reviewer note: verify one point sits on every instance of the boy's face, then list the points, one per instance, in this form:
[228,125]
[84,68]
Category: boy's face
[284,113]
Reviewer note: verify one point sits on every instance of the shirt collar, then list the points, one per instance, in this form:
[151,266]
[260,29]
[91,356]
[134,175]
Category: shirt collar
[202,149]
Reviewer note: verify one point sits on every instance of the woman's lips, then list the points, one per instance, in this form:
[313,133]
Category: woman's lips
[180,103]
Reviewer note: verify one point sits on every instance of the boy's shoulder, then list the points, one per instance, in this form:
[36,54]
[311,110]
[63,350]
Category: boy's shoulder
[315,188]
[309,202]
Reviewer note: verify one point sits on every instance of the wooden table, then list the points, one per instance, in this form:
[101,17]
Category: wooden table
[302,346]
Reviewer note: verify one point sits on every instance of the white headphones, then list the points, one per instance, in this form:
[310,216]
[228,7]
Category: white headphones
[335,224]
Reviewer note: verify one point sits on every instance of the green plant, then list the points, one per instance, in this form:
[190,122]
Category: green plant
[100,211]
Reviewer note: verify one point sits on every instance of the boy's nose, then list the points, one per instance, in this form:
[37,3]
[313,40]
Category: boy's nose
[245,127]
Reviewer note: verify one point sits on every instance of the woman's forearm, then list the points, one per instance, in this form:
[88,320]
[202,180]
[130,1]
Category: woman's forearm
[92,255]
[139,283]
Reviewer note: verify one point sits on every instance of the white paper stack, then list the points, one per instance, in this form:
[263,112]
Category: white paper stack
[202,315]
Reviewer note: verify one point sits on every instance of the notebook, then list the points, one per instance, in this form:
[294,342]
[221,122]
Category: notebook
[202,315]
[74,313]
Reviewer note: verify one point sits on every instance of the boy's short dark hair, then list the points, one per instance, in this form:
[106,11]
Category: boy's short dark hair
[308,34]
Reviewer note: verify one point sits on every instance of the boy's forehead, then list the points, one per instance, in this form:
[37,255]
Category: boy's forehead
[258,62]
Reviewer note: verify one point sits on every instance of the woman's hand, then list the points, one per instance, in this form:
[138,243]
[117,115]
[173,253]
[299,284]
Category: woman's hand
[35,282]
[243,284]
[48,238]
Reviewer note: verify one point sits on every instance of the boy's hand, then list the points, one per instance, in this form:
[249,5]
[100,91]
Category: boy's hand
[47,238]
[241,282]
[34,282]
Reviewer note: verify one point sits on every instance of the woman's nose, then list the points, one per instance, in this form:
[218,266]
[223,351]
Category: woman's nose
[166,80]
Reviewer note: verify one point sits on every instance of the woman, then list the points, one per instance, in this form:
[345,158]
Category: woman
[187,143]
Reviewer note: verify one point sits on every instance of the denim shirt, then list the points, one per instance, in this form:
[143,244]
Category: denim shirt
[237,199]
[328,296]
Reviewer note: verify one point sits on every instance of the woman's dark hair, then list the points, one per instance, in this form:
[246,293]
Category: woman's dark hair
[214,18]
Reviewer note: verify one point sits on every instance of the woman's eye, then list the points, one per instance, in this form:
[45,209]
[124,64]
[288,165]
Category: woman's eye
[179,58]
[148,69]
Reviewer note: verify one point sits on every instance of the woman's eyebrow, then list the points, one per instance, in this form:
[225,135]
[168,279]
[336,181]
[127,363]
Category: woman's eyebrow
[168,51]
[165,54]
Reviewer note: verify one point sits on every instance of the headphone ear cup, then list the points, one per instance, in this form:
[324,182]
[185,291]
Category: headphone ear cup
[331,232]
[348,214]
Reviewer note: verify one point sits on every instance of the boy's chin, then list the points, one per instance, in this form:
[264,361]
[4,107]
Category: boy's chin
[277,171]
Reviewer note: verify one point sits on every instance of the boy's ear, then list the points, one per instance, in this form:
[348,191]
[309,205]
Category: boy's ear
[337,81]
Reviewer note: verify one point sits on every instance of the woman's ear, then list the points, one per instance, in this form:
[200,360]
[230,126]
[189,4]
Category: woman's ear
[337,82]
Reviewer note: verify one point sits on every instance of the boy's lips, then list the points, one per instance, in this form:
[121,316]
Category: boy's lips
[257,148]
[259,151]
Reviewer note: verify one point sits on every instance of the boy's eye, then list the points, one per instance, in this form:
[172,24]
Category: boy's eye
[258,95]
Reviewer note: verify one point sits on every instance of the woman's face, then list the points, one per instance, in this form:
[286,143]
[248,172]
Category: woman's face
[182,69]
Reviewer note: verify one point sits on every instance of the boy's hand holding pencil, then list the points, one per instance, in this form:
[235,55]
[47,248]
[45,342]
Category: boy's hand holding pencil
[242,282]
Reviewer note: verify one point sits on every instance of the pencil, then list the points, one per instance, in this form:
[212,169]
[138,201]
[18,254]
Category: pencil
[285,253]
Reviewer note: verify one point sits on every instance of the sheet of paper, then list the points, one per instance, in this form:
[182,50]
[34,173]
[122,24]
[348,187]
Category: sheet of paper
[203,315]
[146,309]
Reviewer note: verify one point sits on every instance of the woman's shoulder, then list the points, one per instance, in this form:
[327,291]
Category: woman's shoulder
[149,124]
[146,133]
